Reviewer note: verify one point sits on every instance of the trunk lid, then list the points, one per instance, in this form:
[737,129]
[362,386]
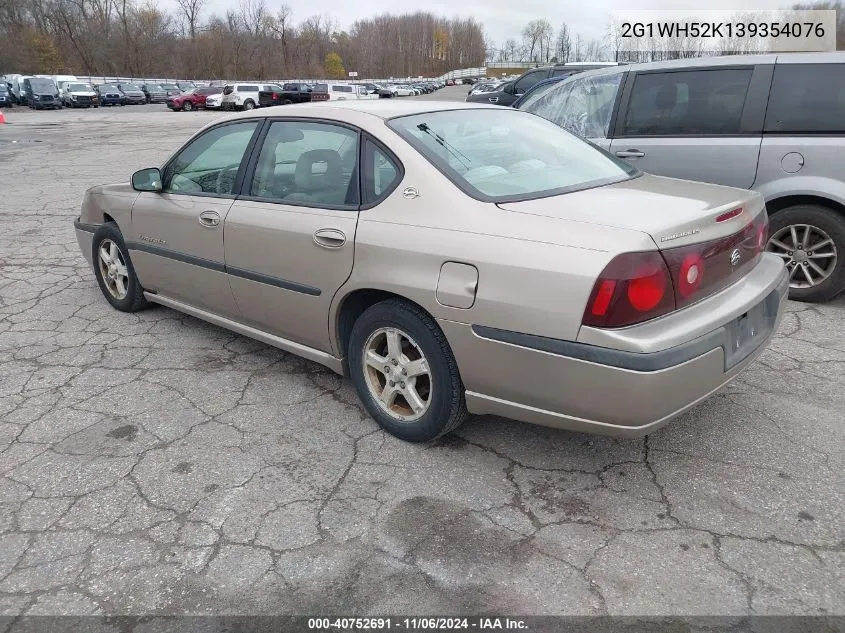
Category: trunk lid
[673,212]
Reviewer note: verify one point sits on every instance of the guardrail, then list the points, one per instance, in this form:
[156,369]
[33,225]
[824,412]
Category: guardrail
[454,74]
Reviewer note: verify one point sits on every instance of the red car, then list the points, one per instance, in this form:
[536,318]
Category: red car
[192,99]
[450,82]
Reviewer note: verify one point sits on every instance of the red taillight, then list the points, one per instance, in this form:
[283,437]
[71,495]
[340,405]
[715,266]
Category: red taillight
[645,293]
[275,97]
[636,287]
[633,287]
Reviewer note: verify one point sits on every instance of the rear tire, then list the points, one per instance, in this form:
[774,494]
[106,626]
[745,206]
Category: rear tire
[437,391]
[824,223]
[249,104]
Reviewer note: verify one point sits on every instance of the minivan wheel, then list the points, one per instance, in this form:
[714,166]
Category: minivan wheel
[405,372]
[114,271]
[811,241]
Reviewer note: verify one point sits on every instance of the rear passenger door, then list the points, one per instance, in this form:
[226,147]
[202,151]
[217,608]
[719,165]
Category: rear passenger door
[698,124]
[290,236]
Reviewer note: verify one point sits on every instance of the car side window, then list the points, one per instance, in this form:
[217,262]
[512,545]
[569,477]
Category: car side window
[807,98]
[381,173]
[522,85]
[687,103]
[313,164]
[210,163]
[583,105]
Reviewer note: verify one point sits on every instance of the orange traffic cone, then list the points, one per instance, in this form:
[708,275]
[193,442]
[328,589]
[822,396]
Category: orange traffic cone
[2,117]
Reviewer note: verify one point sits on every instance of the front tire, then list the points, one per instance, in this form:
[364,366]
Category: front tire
[114,270]
[811,241]
[405,373]
[187,106]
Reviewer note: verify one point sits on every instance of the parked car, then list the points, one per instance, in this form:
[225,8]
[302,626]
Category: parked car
[61,80]
[214,101]
[285,94]
[78,95]
[41,93]
[5,97]
[133,95]
[587,276]
[536,91]
[171,90]
[109,95]
[341,92]
[191,100]
[507,93]
[14,83]
[399,90]
[242,96]
[450,82]
[154,93]
[771,123]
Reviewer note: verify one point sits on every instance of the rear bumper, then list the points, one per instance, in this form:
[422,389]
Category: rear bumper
[596,389]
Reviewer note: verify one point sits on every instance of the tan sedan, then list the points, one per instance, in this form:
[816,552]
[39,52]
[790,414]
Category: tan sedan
[450,259]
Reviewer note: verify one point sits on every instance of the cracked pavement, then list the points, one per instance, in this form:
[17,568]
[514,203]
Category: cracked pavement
[155,464]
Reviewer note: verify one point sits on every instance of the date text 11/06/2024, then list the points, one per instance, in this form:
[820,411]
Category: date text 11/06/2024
[417,624]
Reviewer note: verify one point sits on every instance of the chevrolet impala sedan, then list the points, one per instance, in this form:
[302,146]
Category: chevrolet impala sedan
[450,258]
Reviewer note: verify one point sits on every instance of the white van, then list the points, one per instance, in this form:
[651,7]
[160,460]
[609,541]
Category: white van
[60,80]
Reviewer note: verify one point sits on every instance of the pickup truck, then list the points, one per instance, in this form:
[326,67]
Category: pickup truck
[289,93]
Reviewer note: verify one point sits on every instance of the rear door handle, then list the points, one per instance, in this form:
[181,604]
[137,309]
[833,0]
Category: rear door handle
[209,219]
[329,238]
[630,153]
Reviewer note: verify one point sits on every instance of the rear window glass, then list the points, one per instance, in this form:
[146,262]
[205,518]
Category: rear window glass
[291,87]
[508,155]
[807,98]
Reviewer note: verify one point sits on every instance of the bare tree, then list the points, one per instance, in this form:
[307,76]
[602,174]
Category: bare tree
[191,10]
[563,46]
[535,35]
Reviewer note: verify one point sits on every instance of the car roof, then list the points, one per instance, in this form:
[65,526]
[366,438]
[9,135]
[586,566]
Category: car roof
[720,60]
[382,108]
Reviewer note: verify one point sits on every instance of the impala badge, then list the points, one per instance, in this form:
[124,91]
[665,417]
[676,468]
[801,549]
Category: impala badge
[735,257]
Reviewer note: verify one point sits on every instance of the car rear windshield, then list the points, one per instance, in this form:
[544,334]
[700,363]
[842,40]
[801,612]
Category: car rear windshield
[503,155]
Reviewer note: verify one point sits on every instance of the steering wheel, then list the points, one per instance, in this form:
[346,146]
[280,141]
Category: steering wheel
[231,169]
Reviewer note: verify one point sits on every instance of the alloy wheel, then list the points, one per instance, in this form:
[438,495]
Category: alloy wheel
[113,269]
[397,374]
[809,253]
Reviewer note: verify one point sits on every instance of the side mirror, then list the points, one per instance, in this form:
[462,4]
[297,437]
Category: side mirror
[147,180]
[509,89]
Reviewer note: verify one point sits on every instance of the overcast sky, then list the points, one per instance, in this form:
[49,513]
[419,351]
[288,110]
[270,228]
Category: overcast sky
[501,18]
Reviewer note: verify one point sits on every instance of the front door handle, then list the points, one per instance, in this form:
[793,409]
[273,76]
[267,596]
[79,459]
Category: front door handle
[209,219]
[329,238]
[630,153]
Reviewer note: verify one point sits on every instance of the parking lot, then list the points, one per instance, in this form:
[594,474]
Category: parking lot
[153,463]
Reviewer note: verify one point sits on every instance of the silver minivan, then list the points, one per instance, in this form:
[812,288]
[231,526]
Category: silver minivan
[774,123]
